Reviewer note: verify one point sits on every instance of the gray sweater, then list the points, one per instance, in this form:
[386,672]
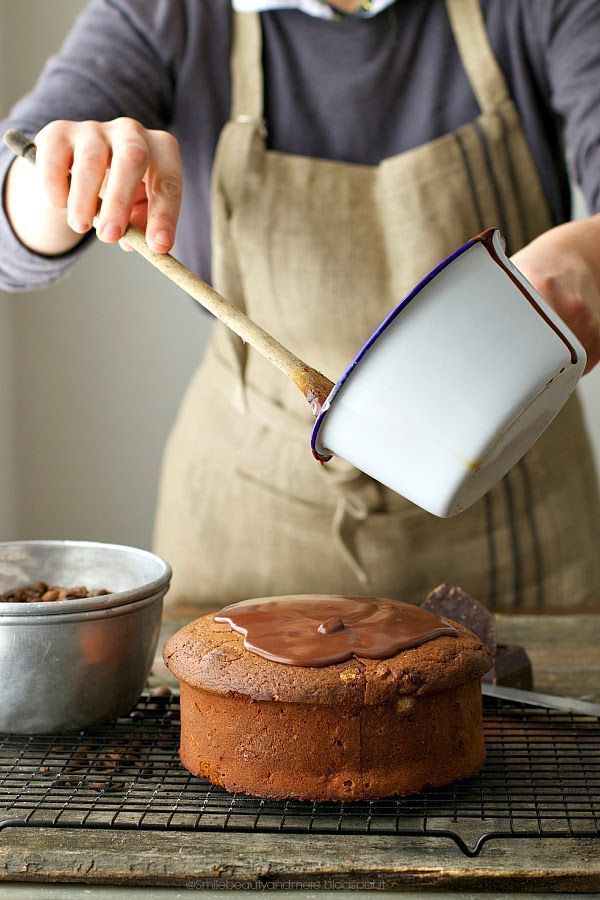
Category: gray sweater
[357,90]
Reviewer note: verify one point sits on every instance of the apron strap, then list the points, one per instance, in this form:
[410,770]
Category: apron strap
[245,132]
[246,68]
[479,61]
[238,150]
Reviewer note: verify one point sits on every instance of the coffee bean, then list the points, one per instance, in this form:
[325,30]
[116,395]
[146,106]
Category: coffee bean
[112,761]
[128,755]
[79,760]
[67,780]
[41,592]
[162,691]
[114,785]
[96,784]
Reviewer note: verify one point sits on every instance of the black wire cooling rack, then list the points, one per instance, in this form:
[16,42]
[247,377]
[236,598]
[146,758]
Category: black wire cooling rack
[541,779]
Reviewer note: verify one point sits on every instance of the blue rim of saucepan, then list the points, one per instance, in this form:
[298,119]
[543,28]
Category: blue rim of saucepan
[86,604]
[377,334]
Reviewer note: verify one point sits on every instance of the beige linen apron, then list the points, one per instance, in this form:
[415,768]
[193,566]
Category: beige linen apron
[319,252]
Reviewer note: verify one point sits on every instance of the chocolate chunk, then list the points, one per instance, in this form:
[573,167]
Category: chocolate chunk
[512,667]
[330,626]
[453,603]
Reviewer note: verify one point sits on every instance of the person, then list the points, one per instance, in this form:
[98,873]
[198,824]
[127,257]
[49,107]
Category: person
[333,154]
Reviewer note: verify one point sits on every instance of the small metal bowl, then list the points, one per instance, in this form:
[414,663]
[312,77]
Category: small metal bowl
[70,664]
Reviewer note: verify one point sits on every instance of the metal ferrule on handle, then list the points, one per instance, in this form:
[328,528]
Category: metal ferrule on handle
[20,144]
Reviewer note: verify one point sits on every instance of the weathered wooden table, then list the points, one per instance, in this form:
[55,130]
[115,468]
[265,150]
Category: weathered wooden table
[566,660]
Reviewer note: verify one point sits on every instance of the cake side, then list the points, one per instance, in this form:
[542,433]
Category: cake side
[329,752]
[210,656]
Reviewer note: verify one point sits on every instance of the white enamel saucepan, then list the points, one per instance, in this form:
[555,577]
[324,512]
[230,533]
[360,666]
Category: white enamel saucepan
[448,393]
[456,384]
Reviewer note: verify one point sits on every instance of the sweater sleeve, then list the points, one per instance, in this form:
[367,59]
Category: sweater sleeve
[573,72]
[118,60]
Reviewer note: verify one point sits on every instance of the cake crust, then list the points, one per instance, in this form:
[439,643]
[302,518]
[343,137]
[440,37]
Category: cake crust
[210,655]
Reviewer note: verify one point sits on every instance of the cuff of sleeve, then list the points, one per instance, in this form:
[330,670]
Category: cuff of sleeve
[21,269]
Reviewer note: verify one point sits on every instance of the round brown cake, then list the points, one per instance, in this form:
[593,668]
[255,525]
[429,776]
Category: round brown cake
[355,729]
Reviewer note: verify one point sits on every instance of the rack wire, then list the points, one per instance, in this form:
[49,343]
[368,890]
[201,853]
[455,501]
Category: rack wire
[541,779]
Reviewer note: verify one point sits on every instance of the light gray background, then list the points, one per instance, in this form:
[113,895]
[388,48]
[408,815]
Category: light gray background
[92,370]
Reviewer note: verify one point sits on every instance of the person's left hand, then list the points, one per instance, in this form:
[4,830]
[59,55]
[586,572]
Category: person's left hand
[562,265]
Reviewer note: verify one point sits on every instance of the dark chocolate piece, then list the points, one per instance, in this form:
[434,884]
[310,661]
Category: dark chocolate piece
[453,603]
[512,668]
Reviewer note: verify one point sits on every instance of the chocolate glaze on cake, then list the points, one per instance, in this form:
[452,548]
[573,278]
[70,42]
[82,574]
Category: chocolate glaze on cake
[312,630]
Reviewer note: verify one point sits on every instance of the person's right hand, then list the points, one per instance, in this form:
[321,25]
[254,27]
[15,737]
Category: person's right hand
[135,171]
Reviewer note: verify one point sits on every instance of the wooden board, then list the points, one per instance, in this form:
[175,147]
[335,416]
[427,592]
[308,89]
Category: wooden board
[221,860]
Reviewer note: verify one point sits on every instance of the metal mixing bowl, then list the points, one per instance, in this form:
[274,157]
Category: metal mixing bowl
[71,664]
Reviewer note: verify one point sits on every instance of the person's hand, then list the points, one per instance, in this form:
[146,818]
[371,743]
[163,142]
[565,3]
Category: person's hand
[136,171]
[562,265]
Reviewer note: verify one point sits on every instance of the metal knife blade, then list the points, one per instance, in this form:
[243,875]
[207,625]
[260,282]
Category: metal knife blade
[531,698]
